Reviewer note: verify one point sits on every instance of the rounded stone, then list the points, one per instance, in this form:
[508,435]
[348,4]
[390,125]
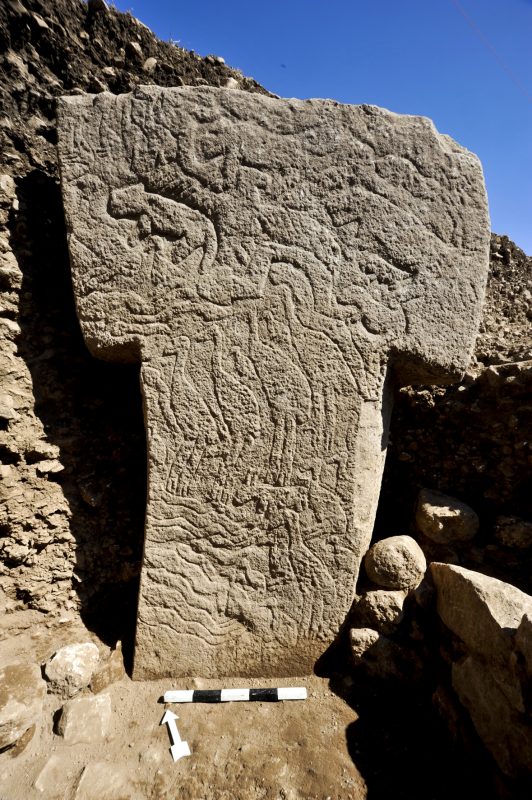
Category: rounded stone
[22,693]
[71,668]
[381,609]
[445,519]
[395,563]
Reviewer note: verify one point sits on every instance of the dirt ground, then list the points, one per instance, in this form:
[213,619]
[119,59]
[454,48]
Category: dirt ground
[242,751]
[347,741]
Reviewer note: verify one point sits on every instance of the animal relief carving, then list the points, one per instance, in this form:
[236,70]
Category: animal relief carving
[275,266]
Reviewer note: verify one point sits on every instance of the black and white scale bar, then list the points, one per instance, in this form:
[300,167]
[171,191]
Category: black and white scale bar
[232,695]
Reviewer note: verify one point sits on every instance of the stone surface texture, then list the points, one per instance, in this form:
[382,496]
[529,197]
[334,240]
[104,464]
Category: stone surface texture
[377,655]
[71,668]
[380,609]
[22,693]
[268,262]
[105,780]
[109,671]
[445,519]
[397,562]
[492,621]
[85,719]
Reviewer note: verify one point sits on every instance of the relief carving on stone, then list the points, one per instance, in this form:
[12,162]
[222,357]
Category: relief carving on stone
[273,265]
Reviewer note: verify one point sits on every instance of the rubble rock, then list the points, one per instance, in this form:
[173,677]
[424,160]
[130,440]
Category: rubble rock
[361,640]
[110,671]
[380,609]
[395,563]
[503,729]
[71,668]
[377,655]
[104,780]
[85,719]
[523,644]
[482,611]
[444,519]
[51,780]
[22,692]
[150,65]
[492,620]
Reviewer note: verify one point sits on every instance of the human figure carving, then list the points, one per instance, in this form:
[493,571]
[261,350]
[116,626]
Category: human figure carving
[195,424]
[240,411]
[276,267]
[288,394]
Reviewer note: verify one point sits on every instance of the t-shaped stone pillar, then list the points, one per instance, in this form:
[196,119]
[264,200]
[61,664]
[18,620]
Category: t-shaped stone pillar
[274,265]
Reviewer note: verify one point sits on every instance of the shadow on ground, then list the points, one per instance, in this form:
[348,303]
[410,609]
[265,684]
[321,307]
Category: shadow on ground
[398,743]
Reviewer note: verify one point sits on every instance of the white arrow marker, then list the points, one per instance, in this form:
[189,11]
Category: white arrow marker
[179,747]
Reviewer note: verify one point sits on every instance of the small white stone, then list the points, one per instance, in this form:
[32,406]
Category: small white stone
[150,64]
[51,776]
[49,467]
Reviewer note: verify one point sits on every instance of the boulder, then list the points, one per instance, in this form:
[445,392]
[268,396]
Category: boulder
[71,668]
[85,719]
[505,732]
[444,519]
[22,692]
[492,619]
[482,611]
[380,609]
[395,563]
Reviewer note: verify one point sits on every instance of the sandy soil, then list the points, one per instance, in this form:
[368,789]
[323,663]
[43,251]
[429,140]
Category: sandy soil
[239,751]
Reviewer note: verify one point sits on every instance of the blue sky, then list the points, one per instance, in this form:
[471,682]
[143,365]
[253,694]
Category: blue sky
[467,64]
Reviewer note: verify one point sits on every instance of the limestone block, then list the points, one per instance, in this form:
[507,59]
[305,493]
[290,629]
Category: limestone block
[396,563]
[104,780]
[52,781]
[444,519]
[506,733]
[268,263]
[483,612]
[71,667]
[85,719]
[380,609]
[22,692]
